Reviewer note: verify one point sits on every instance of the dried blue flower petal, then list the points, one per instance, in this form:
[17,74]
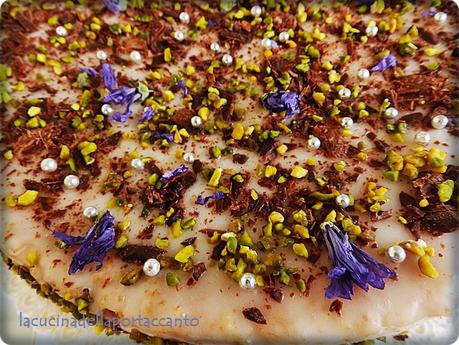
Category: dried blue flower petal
[109,77]
[173,173]
[428,13]
[112,6]
[89,71]
[282,101]
[182,86]
[120,96]
[68,239]
[99,240]
[351,265]
[385,63]
[167,136]
[147,114]
[122,117]
[215,196]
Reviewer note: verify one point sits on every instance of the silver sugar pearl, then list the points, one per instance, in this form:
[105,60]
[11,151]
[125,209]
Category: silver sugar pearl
[347,122]
[267,43]
[422,138]
[135,56]
[314,143]
[71,181]
[106,109]
[344,93]
[284,36]
[363,73]
[371,31]
[48,165]
[227,59]
[196,121]
[101,55]
[343,200]
[61,31]
[138,164]
[215,47]
[441,17]
[391,113]
[396,254]
[151,267]
[179,36]
[248,281]
[439,121]
[90,212]
[184,17]
[188,157]
[256,11]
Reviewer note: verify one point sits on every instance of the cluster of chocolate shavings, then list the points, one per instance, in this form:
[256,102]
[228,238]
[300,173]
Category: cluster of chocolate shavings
[305,98]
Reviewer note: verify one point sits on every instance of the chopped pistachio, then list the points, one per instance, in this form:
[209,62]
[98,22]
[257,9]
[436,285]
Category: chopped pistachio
[238,131]
[298,172]
[122,241]
[172,279]
[300,250]
[391,175]
[27,198]
[32,258]
[270,171]
[215,178]
[426,267]
[445,190]
[184,254]
[276,217]
[132,276]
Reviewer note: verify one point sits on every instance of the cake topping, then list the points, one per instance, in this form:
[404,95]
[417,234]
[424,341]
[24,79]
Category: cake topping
[386,62]
[94,246]
[351,265]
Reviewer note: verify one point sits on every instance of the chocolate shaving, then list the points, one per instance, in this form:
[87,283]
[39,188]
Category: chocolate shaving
[254,314]
[336,307]
[275,293]
[139,254]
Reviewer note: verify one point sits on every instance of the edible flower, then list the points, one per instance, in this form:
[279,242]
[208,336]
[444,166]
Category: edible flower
[385,62]
[94,246]
[125,96]
[215,196]
[428,13]
[109,78]
[167,136]
[112,6]
[147,114]
[173,173]
[181,85]
[282,101]
[351,265]
[89,71]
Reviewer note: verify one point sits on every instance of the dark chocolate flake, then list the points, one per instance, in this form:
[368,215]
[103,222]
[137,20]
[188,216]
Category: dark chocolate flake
[255,315]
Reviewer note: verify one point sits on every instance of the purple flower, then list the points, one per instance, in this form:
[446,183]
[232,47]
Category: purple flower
[215,196]
[428,13]
[351,265]
[173,173]
[128,101]
[385,62]
[109,78]
[121,96]
[89,71]
[182,86]
[147,114]
[167,136]
[112,6]
[94,246]
[282,101]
